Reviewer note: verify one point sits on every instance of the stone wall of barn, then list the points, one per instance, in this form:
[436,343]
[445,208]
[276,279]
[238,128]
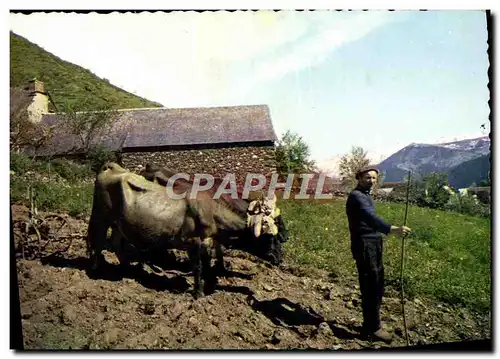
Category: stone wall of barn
[217,162]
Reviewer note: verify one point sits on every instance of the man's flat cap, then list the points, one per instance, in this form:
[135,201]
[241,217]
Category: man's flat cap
[365,169]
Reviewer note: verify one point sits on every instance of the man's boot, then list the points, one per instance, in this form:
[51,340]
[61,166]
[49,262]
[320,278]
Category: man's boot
[381,335]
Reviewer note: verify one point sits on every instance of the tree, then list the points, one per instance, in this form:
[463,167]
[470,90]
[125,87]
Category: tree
[292,154]
[381,179]
[351,163]
[485,182]
[429,191]
[87,125]
[24,133]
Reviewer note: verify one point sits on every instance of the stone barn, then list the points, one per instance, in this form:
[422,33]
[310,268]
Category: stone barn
[212,140]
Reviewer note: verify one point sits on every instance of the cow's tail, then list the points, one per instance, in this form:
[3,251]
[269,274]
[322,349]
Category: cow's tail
[98,223]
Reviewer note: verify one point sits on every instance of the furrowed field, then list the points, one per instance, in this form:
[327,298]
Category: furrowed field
[447,257]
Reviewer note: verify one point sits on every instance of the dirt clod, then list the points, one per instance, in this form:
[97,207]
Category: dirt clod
[69,315]
[324,329]
[349,305]
[148,308]
[330,295]
[110,336]
[267,287]
[277,337]
[26,313]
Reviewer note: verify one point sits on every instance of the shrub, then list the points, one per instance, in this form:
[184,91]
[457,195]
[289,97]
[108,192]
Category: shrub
[429,192]
[468,204]
[69,170]
[98,156]
[76,199]
[20,163]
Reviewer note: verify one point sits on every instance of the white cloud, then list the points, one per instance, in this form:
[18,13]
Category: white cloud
[334,30]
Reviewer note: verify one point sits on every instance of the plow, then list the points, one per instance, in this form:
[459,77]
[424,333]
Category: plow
[41,235]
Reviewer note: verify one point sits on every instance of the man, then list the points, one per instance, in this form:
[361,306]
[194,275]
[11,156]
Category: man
[366,247]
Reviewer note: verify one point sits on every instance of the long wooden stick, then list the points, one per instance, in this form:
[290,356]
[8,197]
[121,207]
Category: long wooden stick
[402,260]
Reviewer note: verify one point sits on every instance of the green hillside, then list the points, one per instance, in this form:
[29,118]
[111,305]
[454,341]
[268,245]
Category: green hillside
[66,82]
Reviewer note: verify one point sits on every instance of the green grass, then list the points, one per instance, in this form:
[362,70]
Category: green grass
[74,199]
[67,83]
[60,185]
[447,258]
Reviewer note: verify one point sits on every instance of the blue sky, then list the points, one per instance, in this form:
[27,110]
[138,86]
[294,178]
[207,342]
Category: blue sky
[376,79]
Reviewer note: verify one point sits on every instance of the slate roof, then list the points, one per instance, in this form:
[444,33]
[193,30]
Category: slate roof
[163,127]
[19,101]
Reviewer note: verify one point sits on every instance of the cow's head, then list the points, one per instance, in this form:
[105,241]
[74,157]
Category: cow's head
[267,246]
[271,244]
[267,229]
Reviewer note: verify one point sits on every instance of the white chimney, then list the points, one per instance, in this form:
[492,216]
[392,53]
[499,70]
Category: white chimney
[40,101]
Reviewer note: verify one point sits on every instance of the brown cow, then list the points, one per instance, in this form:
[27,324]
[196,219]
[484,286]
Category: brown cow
[142,215]
[267,245]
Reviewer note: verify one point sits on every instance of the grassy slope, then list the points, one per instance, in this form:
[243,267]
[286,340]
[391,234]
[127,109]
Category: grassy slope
[447,258]
[65,81]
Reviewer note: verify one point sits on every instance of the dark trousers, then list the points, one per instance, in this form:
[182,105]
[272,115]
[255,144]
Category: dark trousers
[368,255]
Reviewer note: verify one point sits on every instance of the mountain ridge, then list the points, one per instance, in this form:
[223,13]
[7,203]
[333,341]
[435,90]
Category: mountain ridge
[423,159]
[450,157]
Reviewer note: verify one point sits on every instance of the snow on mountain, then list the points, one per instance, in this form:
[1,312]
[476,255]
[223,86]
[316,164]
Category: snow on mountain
[476,144]
[418,157]
[440,157]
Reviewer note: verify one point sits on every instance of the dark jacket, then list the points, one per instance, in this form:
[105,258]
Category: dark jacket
[360,210]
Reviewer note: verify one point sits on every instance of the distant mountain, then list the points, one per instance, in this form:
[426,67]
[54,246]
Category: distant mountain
[466,173]
[422,159]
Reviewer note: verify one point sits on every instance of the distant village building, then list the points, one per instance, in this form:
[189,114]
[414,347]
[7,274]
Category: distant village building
[483,194]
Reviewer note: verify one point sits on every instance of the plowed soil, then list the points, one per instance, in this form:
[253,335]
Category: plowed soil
[256,307]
